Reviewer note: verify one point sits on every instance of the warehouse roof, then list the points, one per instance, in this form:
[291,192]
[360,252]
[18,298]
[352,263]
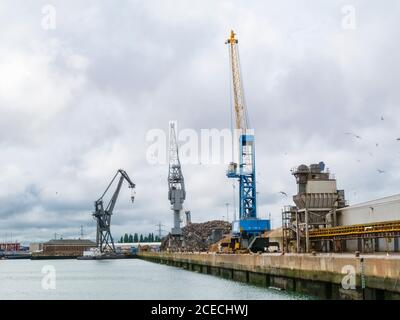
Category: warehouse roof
[69,242]
[385,200]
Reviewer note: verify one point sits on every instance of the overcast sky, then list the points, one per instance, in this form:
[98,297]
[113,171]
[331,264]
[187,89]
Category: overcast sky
[77,101]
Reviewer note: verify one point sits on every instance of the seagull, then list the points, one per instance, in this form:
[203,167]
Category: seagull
[353,134]
[283,193]
[380,171]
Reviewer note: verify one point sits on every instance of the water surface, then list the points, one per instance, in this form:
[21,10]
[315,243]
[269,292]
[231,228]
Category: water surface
[121,279]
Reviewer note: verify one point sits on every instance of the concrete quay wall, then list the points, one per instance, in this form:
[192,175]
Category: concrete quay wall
[320,275]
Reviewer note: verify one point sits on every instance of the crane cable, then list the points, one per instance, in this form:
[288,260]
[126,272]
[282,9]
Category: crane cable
[244,106]
[230,101]
[133,192]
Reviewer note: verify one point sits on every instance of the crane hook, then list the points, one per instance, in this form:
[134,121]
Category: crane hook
[133,192]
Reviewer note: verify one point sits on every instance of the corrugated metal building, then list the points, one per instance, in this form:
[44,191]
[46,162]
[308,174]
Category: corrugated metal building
[384,209]
[379,210]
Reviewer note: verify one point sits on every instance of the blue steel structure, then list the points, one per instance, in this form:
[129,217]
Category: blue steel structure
[248,224]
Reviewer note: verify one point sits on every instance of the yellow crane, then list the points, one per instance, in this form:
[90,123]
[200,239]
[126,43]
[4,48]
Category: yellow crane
[248,226]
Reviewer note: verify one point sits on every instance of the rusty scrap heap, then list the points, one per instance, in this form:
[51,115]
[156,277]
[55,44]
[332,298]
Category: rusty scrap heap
[197,236]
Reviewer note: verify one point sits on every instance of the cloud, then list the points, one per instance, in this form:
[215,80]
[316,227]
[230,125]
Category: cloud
[76,104]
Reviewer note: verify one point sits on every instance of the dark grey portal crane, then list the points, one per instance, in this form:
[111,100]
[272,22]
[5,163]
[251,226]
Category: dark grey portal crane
[104,238]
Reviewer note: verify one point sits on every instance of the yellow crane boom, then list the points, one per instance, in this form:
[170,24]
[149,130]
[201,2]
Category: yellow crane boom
[241,119]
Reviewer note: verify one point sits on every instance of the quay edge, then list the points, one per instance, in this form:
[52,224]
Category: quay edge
[319,275]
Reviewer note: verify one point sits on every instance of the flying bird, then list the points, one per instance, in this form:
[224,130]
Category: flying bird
[353,134]
[382,118]
[398,139]
[283,193]
[380,171]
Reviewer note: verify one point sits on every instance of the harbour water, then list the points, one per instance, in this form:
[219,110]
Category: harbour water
[120,279]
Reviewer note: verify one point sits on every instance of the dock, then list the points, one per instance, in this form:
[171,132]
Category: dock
[318,275]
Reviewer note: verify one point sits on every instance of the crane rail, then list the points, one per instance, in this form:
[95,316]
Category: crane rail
[358,230]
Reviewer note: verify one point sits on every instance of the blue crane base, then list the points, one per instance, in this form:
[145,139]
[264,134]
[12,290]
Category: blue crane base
[250,227]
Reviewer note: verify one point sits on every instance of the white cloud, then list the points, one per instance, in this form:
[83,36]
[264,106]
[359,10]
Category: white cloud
[76,103]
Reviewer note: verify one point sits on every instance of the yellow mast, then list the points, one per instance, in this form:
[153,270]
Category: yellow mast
[238,92]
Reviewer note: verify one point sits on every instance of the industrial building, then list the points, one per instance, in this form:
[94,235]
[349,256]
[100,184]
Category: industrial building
[321,220]
[383,212]
[10,246]
[36,247]
[384,209]
[317,202]
[67,248]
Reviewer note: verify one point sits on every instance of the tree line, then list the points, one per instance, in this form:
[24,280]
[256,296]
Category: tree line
[139,238]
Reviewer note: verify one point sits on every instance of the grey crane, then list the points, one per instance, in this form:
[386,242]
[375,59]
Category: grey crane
[103,215]
[176,182]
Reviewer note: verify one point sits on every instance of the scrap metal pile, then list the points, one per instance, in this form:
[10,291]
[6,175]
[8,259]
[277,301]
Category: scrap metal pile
[196,236]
